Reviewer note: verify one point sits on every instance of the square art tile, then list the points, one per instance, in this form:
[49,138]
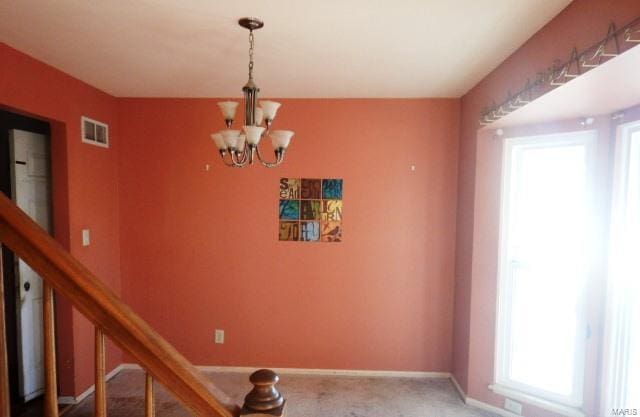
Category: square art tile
[289,231]
[332,189]
[310,209]
[310,231]
[331,231]
[289,188]
[310,189]
[332,210]
[289,209]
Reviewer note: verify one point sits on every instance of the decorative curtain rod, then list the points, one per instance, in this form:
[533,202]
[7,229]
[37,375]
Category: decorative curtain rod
[612,45]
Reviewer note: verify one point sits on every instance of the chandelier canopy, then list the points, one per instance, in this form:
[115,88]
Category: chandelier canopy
[242,146]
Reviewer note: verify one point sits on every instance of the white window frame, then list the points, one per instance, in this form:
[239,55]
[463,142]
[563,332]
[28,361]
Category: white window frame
[616,346]
[570,405]
[96,123]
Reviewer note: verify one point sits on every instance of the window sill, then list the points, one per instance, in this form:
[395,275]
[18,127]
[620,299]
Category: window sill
[538,402]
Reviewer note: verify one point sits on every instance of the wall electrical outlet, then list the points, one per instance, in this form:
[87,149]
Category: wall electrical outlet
[513,406]
[219,336]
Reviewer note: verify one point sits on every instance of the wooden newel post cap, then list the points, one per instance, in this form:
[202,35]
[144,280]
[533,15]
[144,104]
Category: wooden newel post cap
[264,398]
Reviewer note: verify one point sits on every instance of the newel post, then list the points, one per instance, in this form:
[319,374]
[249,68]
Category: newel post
[264,399]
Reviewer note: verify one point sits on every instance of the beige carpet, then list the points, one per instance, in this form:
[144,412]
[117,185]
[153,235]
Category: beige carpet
[307,396]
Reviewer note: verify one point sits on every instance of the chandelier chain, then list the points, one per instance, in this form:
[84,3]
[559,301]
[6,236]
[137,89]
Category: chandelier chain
[251,54]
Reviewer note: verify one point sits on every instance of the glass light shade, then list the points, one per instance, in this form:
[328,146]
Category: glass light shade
[231,137]
[254,133]
[281,138]
[219,140]
[269,108]
[228,109]
[259,116]
[242,139]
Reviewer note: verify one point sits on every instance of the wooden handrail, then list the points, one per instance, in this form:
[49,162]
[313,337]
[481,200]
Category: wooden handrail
[109,313]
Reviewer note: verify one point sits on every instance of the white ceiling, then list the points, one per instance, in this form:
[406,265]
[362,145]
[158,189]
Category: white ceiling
[322,48]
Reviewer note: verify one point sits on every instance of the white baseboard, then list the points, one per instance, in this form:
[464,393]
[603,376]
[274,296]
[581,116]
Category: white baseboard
[33,395]
[458,388]
[303,371]
[306,371]
[330,372]
[492,408]
[75,400]
[479,404]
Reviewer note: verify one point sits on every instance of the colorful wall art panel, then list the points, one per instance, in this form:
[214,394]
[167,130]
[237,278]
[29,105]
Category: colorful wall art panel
[310,210]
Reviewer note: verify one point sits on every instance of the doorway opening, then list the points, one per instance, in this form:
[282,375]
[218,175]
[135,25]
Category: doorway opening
[25,161]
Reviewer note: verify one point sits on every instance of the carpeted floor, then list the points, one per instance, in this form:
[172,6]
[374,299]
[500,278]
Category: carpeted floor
[307,396]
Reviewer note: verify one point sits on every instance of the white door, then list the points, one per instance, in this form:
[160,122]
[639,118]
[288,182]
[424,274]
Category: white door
[31,189]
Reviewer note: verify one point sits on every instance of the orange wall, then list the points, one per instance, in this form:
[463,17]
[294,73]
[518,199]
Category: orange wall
[84,187]
[204,254]
[580,25]
[200,249]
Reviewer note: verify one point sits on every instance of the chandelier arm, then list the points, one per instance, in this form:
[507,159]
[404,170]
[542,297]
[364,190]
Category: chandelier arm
[223,153]
[279,158]
[238,163]
[249,154]
[245,152]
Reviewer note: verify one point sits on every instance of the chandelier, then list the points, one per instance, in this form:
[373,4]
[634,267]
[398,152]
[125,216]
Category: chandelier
[242,146]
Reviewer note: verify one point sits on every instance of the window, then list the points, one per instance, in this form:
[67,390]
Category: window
[544,267]
[622,336]
[95,132]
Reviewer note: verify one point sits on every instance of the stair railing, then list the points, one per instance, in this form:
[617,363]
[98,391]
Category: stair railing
[111,316]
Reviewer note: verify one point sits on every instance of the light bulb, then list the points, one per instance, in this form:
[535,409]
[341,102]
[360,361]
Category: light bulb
[228,109]
[242,139]
[259,116]
[254,134]
[230,137]
[219,140]
[281,138]
[269,108]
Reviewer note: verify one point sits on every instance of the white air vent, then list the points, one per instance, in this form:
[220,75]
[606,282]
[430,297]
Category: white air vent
[95,132]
